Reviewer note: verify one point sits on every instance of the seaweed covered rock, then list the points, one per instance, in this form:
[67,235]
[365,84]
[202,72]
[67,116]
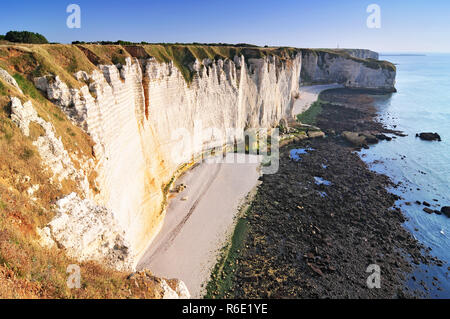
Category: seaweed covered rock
[429,136]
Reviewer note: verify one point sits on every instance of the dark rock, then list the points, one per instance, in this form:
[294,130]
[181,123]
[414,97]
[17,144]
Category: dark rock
[426,204]
[315,269]
[428,210]
[429,136]
[370,138]
[383,137]
[357,225]
[446,211]
[354,138]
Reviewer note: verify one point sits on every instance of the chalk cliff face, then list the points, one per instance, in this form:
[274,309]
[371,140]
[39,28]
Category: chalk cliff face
[136,147]
[139,115]
[328,67]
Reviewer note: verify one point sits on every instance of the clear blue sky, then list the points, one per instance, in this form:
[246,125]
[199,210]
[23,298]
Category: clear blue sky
[406,25]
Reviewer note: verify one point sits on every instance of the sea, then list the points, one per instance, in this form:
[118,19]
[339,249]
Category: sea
[422,104]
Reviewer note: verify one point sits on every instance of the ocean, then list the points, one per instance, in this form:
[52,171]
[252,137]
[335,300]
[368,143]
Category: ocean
[422,104]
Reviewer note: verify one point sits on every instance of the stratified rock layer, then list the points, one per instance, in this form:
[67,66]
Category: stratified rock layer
[138,156]
[329,67]
[143,117]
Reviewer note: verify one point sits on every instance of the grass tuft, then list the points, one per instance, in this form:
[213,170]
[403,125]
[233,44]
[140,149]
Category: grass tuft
[310,115]
[27,153]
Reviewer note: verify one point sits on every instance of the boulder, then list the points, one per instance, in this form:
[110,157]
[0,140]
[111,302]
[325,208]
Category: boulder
[315,134]
[370,138]
[162,288]
[22,115]
[354,138]
[429,136]
[88,232]
[446,211]
[383,137]
[428,210]
[5,76]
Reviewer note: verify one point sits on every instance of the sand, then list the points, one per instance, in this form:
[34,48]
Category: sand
[199,221]
[310,94]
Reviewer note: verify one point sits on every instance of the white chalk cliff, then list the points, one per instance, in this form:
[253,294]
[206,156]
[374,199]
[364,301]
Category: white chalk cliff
[137,114]
[327,67]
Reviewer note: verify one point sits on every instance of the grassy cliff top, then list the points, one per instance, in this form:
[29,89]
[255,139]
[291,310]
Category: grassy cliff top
[64,60]
[184,55]
[370,63]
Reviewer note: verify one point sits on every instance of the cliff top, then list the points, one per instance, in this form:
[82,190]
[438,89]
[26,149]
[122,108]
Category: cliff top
[33,60]
[348,54]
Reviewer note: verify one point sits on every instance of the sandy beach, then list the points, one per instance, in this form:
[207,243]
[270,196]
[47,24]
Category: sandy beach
[199,220]
[310,94]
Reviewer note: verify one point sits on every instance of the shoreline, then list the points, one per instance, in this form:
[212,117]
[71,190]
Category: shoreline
[196,228]
[308,95]
[279,260]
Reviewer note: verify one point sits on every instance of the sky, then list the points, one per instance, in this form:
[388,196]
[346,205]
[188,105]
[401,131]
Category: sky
[406,25]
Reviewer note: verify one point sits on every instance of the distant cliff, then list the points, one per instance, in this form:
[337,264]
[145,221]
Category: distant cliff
[328,66]
[360,53]
[132,101]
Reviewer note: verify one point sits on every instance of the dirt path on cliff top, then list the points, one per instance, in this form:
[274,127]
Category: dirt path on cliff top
[318,223]
[199,220]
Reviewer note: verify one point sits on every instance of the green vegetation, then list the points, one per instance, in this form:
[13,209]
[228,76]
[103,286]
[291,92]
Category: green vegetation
[104,54]
[27,153]
[376,64]
[27,87]
[310,115]
[118,59]
[25,37]
[184,55]
[183,59]
[48,59]
[64,60]
[2,89]
[221,280]
[70,132]
[370,63]
[2,37]
[121,42]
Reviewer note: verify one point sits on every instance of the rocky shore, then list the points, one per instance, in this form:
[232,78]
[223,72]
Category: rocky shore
[318,223]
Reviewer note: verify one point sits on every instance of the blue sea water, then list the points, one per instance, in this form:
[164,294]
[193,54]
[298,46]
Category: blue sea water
[321,181]
[422,104]
[295,153]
